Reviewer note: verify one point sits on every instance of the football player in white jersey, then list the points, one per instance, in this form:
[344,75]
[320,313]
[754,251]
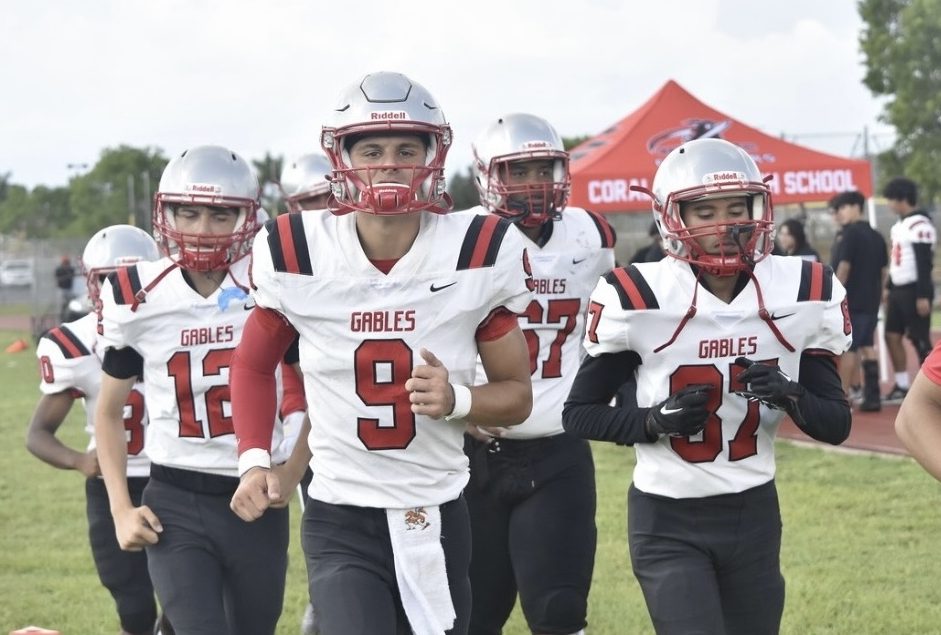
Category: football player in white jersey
[305,185]
[70,365]
[532,489]
[393,300]
[910,289]
[178,320]
[711,337]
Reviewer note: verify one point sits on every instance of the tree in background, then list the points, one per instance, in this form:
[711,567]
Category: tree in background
[268,171]
[118,189]
[900,41]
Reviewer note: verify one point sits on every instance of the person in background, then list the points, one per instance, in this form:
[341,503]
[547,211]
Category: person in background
[651,252]
[532,487]
[65,277]
[910,289]
[305,186]
[793,241]
[304,182]
[862,267]
[70,366]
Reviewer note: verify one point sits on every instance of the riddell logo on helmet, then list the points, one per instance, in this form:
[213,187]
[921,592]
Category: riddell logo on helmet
[388,114]
[535,145]
[723,177]
[203,188]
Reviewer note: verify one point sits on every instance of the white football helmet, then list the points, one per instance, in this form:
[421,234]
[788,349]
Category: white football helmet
[712,168]
[304,178]
[113,247]
[521,137]
[387,103]
[213,176]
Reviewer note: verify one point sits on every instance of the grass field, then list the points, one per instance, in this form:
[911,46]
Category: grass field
[862,539]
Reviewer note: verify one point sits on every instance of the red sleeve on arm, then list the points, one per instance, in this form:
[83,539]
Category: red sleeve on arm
[932,366]
[500,322]
[265,338]
[293,399]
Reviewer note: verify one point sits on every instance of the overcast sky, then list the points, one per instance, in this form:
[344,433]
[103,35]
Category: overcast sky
[260,76]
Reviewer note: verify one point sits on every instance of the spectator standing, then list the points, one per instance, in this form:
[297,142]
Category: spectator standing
[862,266]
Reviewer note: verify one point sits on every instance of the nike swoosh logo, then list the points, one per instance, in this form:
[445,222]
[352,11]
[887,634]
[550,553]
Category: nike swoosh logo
[444,286]
[248,307]
[781,317]
[669,411]
[576,262]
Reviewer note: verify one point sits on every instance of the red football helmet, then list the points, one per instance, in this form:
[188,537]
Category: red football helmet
[215,177]
[712,168]
[387,103]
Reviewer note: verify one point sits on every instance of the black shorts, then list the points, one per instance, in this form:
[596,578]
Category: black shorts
[532,505]
[902,317]
[709,565]
[351,568]
[123,573]
[864,329]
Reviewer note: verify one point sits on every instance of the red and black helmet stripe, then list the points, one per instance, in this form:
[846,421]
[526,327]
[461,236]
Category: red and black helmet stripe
[67,342]
[482,242]
[125,281]
[816,282]
[608,235]
[288,244]
[633,290]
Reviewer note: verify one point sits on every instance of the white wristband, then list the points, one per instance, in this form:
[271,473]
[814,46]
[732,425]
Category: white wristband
[254,457]
[462,402]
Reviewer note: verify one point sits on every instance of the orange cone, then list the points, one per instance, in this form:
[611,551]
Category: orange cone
[17,346]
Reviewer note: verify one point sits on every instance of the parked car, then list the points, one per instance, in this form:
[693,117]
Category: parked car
[17,273]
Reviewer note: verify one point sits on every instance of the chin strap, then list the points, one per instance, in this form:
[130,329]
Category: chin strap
[690,312]
[762,313]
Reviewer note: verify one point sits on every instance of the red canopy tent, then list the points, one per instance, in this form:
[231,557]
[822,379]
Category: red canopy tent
[605,166]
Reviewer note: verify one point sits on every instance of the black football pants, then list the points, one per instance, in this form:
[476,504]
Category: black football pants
[709,566]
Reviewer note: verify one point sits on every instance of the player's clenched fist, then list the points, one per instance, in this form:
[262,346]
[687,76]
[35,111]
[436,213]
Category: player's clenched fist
[681,414]
[258,490]
[429,390]
[136,527]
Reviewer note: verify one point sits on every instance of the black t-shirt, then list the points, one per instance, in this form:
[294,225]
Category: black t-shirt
[866,252]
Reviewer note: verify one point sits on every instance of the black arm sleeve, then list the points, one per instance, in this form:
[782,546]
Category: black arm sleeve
[823,407]
[293,354]
[123,363]
[587,414]
[924,288]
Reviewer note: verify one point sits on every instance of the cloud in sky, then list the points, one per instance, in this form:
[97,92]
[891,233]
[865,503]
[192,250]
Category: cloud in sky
[261,76]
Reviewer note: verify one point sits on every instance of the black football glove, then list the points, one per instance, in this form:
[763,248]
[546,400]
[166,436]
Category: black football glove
[682,414]
[769,385]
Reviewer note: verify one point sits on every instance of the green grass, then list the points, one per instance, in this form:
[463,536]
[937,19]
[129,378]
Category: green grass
[860,554]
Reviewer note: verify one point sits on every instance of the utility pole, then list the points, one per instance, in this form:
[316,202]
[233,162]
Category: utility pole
[146,219]
[131,202]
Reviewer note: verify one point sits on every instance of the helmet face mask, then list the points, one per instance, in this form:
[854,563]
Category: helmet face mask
[706,171]
[113,247]
[213,177]
[387,105]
